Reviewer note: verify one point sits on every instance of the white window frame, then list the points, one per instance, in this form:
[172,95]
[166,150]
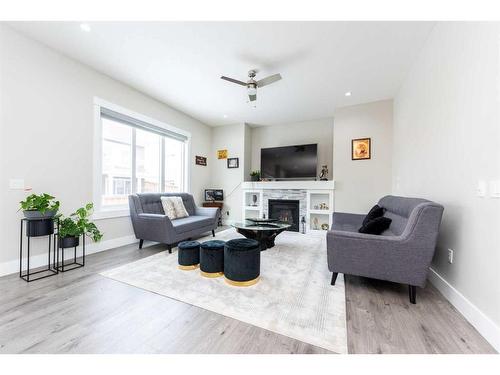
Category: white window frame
[101,212]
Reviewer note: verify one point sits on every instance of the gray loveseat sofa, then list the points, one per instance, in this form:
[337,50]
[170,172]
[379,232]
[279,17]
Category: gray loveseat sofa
[401,254]
[150,222]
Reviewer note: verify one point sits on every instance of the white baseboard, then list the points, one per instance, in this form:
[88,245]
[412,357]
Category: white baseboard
[485,326]
[7,268]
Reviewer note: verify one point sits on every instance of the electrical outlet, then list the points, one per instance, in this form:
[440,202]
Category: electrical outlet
[450,256]
[495,189]
[16,184]
[481,189]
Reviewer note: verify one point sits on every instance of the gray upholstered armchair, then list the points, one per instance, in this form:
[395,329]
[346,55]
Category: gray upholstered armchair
[150,222]
[401,254]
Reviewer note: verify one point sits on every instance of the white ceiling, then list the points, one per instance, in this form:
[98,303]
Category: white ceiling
[180,63]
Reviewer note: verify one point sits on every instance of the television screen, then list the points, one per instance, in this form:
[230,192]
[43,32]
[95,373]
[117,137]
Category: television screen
[214,195]
[298,162]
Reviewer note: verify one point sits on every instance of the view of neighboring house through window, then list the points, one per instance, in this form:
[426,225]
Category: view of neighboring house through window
[138,160]
[147,166]
[116,162]
[174,165]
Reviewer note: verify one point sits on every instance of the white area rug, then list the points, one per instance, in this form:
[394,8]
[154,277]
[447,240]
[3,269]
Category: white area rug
[293,297]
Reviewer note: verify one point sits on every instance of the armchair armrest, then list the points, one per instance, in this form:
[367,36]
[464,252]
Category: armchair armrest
[154,227]
[347,247]
[331,234]
[211,212]
[155,218]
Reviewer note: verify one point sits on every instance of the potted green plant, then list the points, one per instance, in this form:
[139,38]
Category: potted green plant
[43,206]
[39,211]
[255,175]
[76,225]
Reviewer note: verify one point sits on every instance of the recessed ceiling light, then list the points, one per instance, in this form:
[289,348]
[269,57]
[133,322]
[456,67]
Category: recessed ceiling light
[85,27]
[348,93]
[225,116]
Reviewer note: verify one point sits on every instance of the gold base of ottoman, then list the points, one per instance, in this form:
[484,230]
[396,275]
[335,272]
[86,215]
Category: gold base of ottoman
[242,283]
[188,268]
[211,275]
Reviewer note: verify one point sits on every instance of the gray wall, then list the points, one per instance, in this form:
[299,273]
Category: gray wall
[232,139]
[360,183]
[446,137]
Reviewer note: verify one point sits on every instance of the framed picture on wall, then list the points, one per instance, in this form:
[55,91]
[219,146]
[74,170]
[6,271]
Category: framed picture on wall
[233,163]
[361,149]
[201,160]
[221,154]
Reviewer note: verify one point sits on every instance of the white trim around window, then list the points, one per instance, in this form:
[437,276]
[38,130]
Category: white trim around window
[121,211]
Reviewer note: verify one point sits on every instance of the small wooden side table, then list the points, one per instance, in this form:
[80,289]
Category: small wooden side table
[219,205]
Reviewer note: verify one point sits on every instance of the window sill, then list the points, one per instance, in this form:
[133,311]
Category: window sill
[101,215]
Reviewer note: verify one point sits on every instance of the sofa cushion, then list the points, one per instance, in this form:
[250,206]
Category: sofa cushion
[376,226]
[151,202]
[346,227]
[187,224]
[398,224]
[180,210]
[168,207]
[346,222]
[375,211]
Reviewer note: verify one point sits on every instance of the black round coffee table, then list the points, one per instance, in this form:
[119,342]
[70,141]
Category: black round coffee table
[263,232]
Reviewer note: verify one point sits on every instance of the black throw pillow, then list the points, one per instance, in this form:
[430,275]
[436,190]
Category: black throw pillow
[376,226]
[376,211]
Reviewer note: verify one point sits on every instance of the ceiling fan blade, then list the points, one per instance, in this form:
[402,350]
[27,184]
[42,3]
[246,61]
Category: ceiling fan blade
[233,81]
[252,97]
[268,80]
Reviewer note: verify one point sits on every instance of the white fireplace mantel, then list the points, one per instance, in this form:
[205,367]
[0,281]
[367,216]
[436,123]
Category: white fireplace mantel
[301,185]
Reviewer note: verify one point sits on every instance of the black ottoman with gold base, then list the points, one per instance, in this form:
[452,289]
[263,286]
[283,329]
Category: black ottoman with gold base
[212,258]
[188,255]
[242,262]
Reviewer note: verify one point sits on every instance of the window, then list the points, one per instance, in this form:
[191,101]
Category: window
[136,155]
[122,185]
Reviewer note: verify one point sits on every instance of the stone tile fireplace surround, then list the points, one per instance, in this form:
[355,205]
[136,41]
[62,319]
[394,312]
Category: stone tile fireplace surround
[309,194]
[299,195]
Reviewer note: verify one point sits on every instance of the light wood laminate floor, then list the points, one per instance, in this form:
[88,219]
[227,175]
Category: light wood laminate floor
[82,312]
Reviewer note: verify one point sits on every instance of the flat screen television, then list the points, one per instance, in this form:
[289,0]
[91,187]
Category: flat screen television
[214,195]
[289,162]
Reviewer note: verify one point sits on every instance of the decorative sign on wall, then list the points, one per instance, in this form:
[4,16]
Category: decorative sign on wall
[233,163]
[201,160]
[222,154]
[361,149]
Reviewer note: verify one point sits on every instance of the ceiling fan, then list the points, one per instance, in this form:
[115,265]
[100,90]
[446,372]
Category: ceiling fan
[252,84]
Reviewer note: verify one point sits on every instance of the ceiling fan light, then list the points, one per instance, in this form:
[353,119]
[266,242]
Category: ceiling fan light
[252,90]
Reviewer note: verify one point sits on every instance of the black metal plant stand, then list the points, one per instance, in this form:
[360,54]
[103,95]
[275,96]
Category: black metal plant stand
[38,228]
[76,263]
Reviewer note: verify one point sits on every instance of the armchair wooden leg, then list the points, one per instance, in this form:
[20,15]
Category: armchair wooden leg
[213,233]
[412,291]
[169,247]
[141,242]
[334,278]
